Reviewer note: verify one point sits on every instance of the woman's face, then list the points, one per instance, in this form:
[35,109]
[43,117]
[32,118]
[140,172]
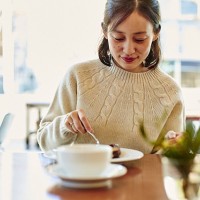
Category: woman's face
[130,42]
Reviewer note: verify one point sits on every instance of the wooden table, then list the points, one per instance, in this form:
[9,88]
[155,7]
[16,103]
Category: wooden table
[23,177]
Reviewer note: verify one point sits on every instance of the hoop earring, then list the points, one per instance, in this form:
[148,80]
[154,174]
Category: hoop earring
[110,58]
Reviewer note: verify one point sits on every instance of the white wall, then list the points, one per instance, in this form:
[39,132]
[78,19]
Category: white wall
[61,32]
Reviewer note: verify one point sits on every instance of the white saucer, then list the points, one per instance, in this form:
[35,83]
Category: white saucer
[100,180]
[128,155]
[86,185]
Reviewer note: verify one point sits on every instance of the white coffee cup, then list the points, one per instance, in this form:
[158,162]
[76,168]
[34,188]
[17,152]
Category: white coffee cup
[83,160]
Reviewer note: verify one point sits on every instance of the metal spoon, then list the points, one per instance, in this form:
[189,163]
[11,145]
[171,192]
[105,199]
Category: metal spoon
[94,137]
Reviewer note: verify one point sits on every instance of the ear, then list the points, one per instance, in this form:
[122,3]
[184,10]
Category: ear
[104,30]
[105,35]
[156,36]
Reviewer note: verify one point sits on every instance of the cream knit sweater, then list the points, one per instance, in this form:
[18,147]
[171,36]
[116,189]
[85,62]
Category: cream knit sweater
[116,102]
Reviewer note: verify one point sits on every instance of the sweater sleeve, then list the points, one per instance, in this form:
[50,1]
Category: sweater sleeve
[53,131]
[176,121]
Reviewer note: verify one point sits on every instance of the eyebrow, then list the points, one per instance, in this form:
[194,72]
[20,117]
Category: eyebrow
[138,33]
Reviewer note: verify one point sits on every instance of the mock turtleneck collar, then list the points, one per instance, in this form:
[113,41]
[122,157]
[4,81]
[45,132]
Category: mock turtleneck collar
[126,74]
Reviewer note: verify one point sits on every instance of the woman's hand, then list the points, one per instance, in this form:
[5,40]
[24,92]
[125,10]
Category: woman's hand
[76,121]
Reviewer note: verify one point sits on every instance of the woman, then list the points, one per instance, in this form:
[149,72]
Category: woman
[123,90]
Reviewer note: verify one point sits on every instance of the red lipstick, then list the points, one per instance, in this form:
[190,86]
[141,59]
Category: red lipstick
[128,59]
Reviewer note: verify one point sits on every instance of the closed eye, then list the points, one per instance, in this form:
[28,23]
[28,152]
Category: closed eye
[140,40]
[119,39]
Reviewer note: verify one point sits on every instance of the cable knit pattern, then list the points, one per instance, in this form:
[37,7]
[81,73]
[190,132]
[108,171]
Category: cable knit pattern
[116,102]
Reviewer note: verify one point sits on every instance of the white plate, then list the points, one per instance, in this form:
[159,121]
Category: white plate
[128,155]
[101,180]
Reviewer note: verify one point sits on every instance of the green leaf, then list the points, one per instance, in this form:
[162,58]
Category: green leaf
[190,131]
[196,142]
[144,135]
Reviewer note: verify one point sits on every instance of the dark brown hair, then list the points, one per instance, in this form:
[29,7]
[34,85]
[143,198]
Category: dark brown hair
[116,11]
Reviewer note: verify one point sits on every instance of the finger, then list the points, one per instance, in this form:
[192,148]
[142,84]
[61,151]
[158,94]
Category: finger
[74,129]
[77,125]
[68,119]
[170,135]
[69,123]
[84,121]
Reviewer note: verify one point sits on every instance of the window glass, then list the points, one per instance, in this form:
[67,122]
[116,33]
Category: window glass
[25,78]
[180,40]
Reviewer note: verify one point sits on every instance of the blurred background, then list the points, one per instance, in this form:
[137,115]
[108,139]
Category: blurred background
[39,39]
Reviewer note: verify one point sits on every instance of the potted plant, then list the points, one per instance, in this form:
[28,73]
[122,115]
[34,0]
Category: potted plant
[181,171]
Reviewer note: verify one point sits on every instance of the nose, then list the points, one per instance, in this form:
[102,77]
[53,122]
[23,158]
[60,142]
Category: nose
[129,48]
